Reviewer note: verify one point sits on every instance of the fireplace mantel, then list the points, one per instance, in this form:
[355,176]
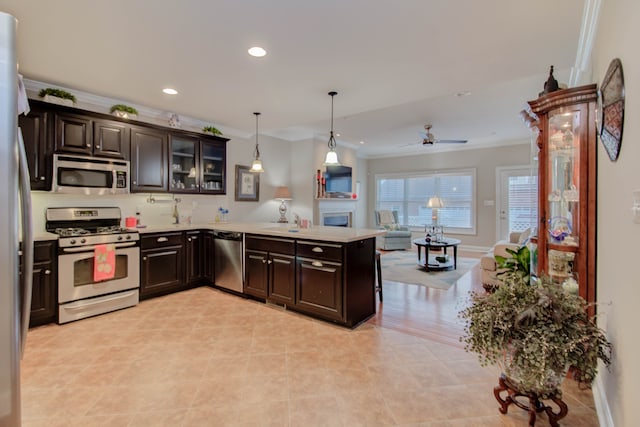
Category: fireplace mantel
[332,207]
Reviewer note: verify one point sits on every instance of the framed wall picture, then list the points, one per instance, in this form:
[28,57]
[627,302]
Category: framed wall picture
[247,185]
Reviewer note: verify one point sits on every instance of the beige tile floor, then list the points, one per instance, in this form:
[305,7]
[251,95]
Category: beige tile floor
[206,358]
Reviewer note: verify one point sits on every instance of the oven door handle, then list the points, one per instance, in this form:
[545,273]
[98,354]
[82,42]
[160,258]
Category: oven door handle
[91,248]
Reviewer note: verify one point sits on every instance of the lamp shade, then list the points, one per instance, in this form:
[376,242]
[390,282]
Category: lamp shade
[331,159]
[435,202]
[282,193]
[256,166]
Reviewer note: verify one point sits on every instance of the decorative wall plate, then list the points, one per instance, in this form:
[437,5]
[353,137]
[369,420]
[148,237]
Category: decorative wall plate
[612,109]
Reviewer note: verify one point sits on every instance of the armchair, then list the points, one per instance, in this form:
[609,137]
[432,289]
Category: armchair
[397,236]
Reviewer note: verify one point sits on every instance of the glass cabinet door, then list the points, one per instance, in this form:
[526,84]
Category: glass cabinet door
[184,166]
[213,167]
[563,192]
[563,169]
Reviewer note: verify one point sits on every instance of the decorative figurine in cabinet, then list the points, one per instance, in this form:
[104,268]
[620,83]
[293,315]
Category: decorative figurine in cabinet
[564,121]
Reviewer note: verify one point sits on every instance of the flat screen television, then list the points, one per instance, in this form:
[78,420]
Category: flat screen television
[338,179]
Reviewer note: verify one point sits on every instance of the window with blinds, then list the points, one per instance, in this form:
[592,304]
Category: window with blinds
[409,193]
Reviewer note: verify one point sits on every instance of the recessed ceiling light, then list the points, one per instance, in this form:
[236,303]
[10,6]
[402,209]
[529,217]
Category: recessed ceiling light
[257,51]
[170,91]
[463,93]
[362,142]
[337,133]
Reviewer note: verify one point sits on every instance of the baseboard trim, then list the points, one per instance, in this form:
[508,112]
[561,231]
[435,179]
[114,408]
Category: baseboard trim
[602,406]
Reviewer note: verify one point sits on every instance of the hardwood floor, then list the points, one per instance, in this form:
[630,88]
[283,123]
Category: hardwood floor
[427,312]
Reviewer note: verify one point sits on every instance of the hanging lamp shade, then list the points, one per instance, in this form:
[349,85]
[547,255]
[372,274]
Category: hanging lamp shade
[256,164]
[332,157]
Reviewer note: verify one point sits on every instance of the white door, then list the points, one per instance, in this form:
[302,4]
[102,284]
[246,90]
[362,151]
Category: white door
[517,199]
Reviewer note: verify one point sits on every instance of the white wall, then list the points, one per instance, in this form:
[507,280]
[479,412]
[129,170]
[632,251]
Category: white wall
[484,160]
[618,286]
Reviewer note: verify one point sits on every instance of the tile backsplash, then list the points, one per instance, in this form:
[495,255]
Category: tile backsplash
[155,209]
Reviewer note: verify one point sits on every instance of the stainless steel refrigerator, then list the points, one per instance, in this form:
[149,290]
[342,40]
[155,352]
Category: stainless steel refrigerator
[15,227]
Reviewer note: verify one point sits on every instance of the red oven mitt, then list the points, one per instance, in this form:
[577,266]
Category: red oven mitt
[104,262]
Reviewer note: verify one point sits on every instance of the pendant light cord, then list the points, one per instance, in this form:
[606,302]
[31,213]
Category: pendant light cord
[332,140]
[256,153]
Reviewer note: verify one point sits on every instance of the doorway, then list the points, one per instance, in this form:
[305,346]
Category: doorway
[517,199]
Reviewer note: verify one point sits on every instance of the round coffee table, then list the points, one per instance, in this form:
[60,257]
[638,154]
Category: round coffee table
[433,264]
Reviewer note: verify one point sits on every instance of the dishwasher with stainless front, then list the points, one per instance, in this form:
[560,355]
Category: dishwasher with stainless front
[228,260]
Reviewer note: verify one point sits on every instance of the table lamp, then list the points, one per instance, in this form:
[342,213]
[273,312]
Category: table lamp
[283,194]
[434,203]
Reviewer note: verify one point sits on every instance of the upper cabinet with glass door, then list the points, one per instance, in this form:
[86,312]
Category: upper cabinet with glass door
[197,165]
[566,138]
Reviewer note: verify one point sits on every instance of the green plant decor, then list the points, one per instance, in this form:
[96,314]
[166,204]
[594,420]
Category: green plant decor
[211,129]
[515,267]
[124,108]
[57,92]
[535,333]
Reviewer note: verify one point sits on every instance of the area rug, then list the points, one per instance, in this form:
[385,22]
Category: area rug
[402,266]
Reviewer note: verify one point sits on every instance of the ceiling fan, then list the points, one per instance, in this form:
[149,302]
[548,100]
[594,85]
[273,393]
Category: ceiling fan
[429,139]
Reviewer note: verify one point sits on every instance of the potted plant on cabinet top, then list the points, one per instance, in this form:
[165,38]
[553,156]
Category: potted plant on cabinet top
[57,96]
[122,110]
[535,333]
[211,130]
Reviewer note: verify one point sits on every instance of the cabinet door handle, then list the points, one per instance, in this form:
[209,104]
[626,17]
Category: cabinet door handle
[264,261]
[162,239]
[47,272]
[317,264]
[317,249]
[135,182]
[188,239]
[88,145]
[42,178]
[144,258]
[98,147]
[269,262]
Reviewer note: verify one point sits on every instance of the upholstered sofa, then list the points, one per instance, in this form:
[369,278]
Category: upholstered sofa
[488,264]
[397,236]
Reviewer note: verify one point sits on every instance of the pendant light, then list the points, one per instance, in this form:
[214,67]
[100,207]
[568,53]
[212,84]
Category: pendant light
[332,156]
[256,165]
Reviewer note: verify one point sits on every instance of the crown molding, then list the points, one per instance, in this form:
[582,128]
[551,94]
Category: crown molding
[581,72]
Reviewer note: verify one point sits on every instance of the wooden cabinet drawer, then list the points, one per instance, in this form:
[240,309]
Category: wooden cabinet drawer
[44,251]
[161,240]
[282,246]
[328,251]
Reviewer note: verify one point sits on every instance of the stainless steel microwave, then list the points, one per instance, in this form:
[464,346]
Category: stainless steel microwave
[89,175]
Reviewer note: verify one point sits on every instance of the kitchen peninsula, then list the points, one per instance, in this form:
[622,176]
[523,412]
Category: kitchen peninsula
[324,272]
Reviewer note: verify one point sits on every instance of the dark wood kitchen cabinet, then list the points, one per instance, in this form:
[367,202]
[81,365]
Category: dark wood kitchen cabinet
[149,162]
[44,295]
[335,281]
[90,136]
[197,165]
[270,269]
[319,289]
[110,139]
[194,257]
[38,147]
[161,263]
[208,272]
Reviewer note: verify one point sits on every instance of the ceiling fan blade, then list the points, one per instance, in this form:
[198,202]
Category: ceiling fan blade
[451,141]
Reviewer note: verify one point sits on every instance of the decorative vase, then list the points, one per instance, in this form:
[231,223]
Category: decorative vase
[124,114]
[57,100]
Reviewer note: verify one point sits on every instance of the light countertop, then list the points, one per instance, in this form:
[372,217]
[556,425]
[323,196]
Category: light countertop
[328,234]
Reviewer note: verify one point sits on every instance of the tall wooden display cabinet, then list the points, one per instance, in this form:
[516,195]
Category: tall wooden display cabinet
[565,128]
